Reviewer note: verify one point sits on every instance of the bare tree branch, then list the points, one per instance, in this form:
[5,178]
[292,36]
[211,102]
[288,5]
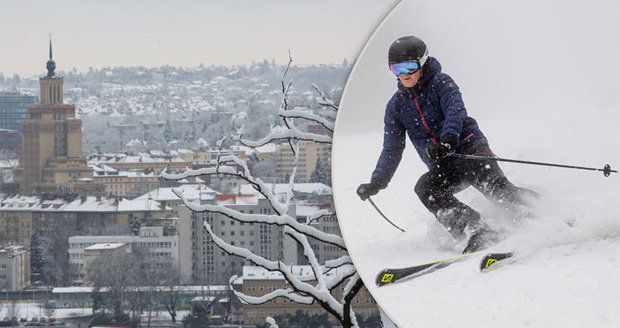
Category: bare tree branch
[325,100]
[295,113]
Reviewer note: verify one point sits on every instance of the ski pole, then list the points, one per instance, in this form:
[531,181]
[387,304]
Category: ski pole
[383,215]
[606,169]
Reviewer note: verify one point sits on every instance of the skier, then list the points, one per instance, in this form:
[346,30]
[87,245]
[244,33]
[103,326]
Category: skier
[428,107]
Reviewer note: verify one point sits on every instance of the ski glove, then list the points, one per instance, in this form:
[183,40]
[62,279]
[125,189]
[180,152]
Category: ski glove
[446,147]
[366,190]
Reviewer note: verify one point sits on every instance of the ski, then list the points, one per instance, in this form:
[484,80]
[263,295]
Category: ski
[493,260]
[390,276]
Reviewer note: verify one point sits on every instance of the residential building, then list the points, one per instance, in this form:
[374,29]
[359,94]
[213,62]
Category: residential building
[150,240]
[98,250]
[125,183]
[14,268]
[57,219]
[309,153]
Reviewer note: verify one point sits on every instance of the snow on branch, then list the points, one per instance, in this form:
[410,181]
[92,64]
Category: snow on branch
[272,322]
[257,300]
[301,291]
[280,219]
[280,133]
[318,215]
[295,113]
[325,101]
[319,292]
[338,262]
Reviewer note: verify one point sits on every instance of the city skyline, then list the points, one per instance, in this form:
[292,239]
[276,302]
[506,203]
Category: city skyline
[186,33]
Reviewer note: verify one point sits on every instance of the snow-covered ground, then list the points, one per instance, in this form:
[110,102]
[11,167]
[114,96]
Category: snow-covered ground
[541,79]
[29,310]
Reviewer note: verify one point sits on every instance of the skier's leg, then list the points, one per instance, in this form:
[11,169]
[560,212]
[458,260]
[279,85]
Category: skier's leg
[436,190]
[488,178]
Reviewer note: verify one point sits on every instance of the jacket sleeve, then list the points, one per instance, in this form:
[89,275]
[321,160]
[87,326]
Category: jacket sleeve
[452,106]
[393,146]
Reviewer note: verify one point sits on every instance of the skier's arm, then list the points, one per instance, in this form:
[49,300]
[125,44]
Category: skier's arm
[452,105]
[393,146]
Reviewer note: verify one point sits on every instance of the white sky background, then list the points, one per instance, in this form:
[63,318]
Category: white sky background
[182,33]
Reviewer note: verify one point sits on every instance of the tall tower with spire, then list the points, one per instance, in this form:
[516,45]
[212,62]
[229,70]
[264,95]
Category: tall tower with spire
[52,141]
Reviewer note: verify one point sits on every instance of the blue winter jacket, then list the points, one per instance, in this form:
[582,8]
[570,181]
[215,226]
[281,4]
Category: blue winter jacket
[428,111]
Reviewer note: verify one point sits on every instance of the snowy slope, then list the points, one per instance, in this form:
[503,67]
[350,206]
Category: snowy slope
[541,79]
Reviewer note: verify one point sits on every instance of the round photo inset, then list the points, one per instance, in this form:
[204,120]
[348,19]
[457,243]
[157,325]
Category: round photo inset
[485,128]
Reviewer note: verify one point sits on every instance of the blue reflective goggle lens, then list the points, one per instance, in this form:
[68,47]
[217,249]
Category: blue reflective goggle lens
[408,67]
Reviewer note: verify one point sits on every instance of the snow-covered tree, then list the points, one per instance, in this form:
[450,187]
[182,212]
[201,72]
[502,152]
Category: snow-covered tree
[37,259]
[327,276]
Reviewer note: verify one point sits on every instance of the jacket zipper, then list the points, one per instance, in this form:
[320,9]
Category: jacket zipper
[417,108]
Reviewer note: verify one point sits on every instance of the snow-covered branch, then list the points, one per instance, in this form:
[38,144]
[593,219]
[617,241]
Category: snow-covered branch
[318,215]
[295,113]
[279,133]
[325,101]
[257,300]
[279,220]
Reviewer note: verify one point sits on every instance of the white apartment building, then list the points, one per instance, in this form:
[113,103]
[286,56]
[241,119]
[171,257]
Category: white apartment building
[14,268]
[151,239]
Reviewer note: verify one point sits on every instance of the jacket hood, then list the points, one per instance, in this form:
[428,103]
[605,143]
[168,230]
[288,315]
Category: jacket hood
[429,70]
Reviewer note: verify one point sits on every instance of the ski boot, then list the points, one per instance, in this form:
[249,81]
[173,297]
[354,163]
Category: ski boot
[481,239]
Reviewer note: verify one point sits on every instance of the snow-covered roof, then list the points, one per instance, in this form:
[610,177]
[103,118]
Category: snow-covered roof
[234,199]
[106,246]
[305,210]
[279,188]
[190,191]
[8,164]
[138,158]
[79,204]
[65,290]
[185,151]
[102,168]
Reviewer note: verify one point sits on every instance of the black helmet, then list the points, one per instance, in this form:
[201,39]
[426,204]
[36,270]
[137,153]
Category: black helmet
[408,48]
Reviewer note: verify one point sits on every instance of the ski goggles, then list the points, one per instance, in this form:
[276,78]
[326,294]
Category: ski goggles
[409,66]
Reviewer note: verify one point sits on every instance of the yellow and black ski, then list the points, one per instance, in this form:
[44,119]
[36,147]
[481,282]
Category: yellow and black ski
[390,276]
[492,260]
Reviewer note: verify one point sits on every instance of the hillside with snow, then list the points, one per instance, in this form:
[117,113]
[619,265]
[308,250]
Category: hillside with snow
[541,80]
[148,108]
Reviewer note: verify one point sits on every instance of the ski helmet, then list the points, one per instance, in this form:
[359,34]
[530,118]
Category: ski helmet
[408,48]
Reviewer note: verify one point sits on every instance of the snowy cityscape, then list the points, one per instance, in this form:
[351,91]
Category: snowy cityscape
[166,196]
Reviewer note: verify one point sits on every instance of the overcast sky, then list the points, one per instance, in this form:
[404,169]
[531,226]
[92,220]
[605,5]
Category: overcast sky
[183,32]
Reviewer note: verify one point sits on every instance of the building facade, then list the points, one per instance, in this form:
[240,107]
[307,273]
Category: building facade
[151,240]
[309,153]
[14,268]
[209,263]
[52,141]
[14,109]
[10,144]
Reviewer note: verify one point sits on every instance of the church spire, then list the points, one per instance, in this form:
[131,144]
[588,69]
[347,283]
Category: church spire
[51,65]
